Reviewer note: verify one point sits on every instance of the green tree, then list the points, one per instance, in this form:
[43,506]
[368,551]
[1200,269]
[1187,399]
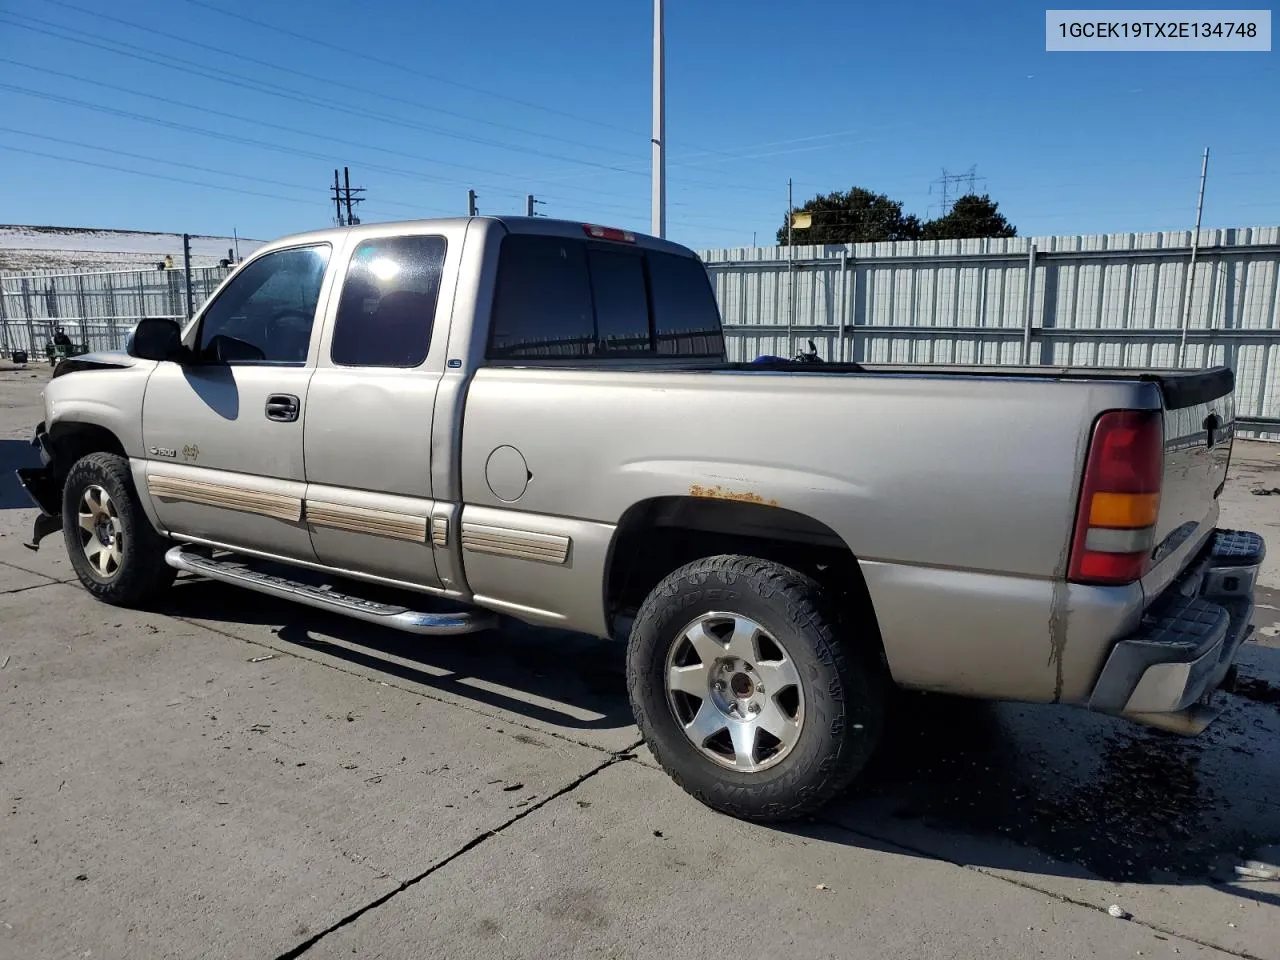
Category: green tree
[858,216]
[970,216]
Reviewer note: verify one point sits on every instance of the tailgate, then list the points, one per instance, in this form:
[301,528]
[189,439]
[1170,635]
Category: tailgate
[1199,424]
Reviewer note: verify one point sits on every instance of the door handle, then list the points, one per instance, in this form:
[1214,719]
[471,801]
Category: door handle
[283,407]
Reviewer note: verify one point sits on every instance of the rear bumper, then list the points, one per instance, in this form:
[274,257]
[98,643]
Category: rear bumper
[1164,673]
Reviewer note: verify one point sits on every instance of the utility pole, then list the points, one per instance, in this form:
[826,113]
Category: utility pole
[344,197]
[659,140]
[337,200]
[1191,270]
[349,199]
[186,267]
[471,203]
[236,237]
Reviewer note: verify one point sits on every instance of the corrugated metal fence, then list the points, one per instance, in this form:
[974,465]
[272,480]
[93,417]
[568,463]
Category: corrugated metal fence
[96,309]
[1104,300]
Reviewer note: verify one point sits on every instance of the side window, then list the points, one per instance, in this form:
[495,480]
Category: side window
[542,306]
[266,313]
[686,319]
[622,305]
[388,302]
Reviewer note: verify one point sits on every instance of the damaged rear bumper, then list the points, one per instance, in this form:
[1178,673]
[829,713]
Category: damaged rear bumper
[43,487]
[1165,674]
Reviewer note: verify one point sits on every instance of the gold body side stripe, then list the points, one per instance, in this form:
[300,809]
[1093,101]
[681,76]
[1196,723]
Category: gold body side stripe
[277,505]
[520,544]
[378,523]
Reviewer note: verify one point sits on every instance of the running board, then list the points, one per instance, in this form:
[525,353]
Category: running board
[239,572]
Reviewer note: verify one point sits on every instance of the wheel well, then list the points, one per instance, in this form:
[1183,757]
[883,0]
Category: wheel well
[660,535]
[71,441]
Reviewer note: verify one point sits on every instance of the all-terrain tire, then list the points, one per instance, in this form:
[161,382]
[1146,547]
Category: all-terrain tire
[844,683]
[140,573]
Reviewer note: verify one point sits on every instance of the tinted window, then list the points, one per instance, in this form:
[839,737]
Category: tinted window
[265,314]
[388,302]
[542,306]
[685,316]
[622,306]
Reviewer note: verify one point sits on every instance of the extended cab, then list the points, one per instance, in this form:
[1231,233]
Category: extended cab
[434,424]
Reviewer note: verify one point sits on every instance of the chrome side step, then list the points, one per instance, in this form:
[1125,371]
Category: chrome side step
[240,572]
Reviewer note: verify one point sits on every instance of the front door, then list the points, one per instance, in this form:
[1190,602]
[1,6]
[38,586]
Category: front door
[223,431]
[368,436]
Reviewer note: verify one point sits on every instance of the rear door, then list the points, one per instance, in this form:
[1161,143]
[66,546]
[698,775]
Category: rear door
[367,439]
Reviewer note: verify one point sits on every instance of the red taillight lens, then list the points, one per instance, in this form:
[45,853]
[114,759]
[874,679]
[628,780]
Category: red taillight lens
[608,233]
[1119,499]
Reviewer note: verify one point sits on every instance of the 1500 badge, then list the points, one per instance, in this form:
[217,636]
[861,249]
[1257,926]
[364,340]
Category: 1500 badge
[189,452]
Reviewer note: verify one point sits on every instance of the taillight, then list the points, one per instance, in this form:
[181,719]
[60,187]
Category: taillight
[1120,499]
[608,233]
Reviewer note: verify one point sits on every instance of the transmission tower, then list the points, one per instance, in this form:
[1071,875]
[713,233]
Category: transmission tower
[949,184]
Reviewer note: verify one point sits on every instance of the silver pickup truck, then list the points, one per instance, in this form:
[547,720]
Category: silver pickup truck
[436,424]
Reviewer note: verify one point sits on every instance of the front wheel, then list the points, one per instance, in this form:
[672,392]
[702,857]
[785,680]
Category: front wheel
[116,553]
[745,692]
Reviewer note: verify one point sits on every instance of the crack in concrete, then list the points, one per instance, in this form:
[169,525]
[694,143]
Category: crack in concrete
[297,951]
[35,573]
[1022,884]
[34,586]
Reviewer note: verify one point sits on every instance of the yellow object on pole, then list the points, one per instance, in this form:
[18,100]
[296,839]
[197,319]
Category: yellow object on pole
[801,221]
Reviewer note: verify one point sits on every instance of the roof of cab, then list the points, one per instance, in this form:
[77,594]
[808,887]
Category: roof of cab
[545,226]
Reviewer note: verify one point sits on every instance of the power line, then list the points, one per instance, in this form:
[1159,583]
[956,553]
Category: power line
[160,176]
[149,55]
[348,53]
[223,51]
[297,96]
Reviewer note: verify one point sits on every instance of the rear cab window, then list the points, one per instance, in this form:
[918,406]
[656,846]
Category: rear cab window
[566,298]
[388,302]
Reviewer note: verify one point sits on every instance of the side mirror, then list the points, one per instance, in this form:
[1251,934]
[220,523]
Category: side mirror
[155,338]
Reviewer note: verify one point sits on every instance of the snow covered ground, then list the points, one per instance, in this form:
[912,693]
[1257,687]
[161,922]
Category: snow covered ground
[27,248]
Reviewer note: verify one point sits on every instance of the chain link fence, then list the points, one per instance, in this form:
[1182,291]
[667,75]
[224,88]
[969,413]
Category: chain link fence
[96,310]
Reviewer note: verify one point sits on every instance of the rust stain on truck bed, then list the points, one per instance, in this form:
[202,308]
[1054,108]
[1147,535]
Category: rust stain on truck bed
[720,493]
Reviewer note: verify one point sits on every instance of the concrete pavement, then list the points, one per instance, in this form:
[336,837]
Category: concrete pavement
[231,777]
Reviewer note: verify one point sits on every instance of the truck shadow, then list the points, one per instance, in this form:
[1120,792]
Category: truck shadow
[1038,789]
[15,454]
[554,677]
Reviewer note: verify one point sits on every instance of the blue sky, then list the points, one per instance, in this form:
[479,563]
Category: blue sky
[423,99]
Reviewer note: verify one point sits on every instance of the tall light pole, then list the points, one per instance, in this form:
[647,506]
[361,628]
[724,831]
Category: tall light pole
[659,162]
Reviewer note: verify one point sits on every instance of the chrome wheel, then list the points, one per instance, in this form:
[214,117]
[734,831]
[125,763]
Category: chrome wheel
[101,532]
[735,692]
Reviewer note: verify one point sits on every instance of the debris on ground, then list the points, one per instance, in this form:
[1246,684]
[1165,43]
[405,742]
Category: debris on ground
[1119,912]
[822,886]
[1265,491]
[513,786]
[269,656]
[5,664]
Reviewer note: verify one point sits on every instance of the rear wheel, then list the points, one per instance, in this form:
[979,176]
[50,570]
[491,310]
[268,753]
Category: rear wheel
[116,553]
[745,693]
